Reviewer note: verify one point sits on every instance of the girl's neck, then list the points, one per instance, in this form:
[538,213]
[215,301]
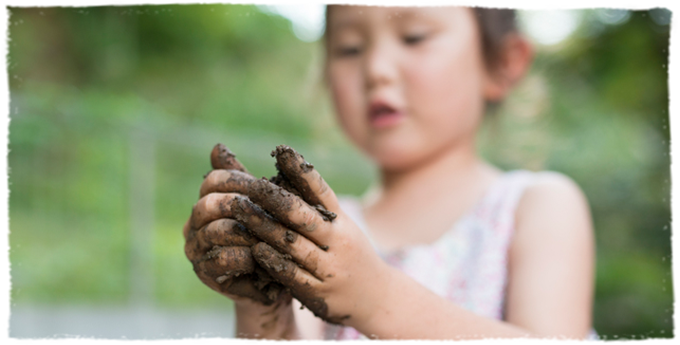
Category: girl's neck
[430,197]
[456,165]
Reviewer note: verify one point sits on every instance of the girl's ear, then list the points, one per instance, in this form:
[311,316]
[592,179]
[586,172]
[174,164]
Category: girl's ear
[509,67]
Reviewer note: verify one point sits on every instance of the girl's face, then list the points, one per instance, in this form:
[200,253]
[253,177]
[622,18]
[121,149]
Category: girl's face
[408,83]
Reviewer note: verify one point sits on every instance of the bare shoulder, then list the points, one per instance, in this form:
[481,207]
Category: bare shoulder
[552,213]
[554,193]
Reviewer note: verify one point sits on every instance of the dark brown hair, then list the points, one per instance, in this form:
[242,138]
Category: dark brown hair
[493,23]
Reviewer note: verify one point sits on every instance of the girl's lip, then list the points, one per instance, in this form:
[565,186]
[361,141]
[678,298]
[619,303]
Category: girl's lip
[383,115]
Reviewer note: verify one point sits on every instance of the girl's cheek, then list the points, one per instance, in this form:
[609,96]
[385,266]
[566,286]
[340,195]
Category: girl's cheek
[447,94]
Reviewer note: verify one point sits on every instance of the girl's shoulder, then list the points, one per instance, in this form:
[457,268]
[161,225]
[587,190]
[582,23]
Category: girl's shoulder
[553,212]
[544,185]
[550,190]
[552,179]
[543,197]
[503,197]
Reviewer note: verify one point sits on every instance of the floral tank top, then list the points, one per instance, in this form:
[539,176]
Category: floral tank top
[467,264]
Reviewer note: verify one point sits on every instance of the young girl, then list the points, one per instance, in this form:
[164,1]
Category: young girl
[448,246]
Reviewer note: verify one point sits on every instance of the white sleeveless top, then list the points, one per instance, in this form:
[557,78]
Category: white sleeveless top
[467,264]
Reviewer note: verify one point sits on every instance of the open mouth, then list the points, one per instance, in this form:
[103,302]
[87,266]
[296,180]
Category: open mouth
[382,115]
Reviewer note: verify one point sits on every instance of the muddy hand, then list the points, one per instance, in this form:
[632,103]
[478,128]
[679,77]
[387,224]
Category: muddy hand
[327,265]
[217,245]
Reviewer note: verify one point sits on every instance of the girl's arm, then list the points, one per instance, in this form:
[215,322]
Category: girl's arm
[550,278]
[551,260]
[309,326]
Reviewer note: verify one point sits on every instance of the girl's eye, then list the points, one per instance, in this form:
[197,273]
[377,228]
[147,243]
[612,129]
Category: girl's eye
[348,51]
[414,39]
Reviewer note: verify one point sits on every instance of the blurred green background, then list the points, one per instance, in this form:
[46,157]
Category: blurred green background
[114,111]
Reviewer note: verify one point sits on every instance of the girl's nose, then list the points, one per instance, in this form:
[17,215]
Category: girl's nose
[380,66]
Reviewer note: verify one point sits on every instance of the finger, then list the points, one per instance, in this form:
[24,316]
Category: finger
[289,210]
[258,285]
[223,263]
[186,229]
[226,181]
[281,268]
[242,286]
[245,286]
[302,285]
[211,207]
[222,158]
[315,191]
[225,232]
[300,249]
[222,232]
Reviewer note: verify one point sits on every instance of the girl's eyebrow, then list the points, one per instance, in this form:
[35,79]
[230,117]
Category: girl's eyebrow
[404,14]
[343,24]
[399,15]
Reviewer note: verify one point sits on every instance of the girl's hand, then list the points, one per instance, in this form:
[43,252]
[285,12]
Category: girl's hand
[217,245]
[312,247]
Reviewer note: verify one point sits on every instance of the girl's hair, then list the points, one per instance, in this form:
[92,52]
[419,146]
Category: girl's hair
[494,24]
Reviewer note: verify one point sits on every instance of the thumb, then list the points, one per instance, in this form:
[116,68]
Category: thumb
[307,180]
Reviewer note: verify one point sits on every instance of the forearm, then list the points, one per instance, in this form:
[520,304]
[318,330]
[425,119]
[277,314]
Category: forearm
[410,311]
[265,322]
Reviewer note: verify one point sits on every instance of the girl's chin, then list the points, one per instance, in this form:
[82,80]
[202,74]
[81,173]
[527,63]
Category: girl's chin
[394,158]
[396,150]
